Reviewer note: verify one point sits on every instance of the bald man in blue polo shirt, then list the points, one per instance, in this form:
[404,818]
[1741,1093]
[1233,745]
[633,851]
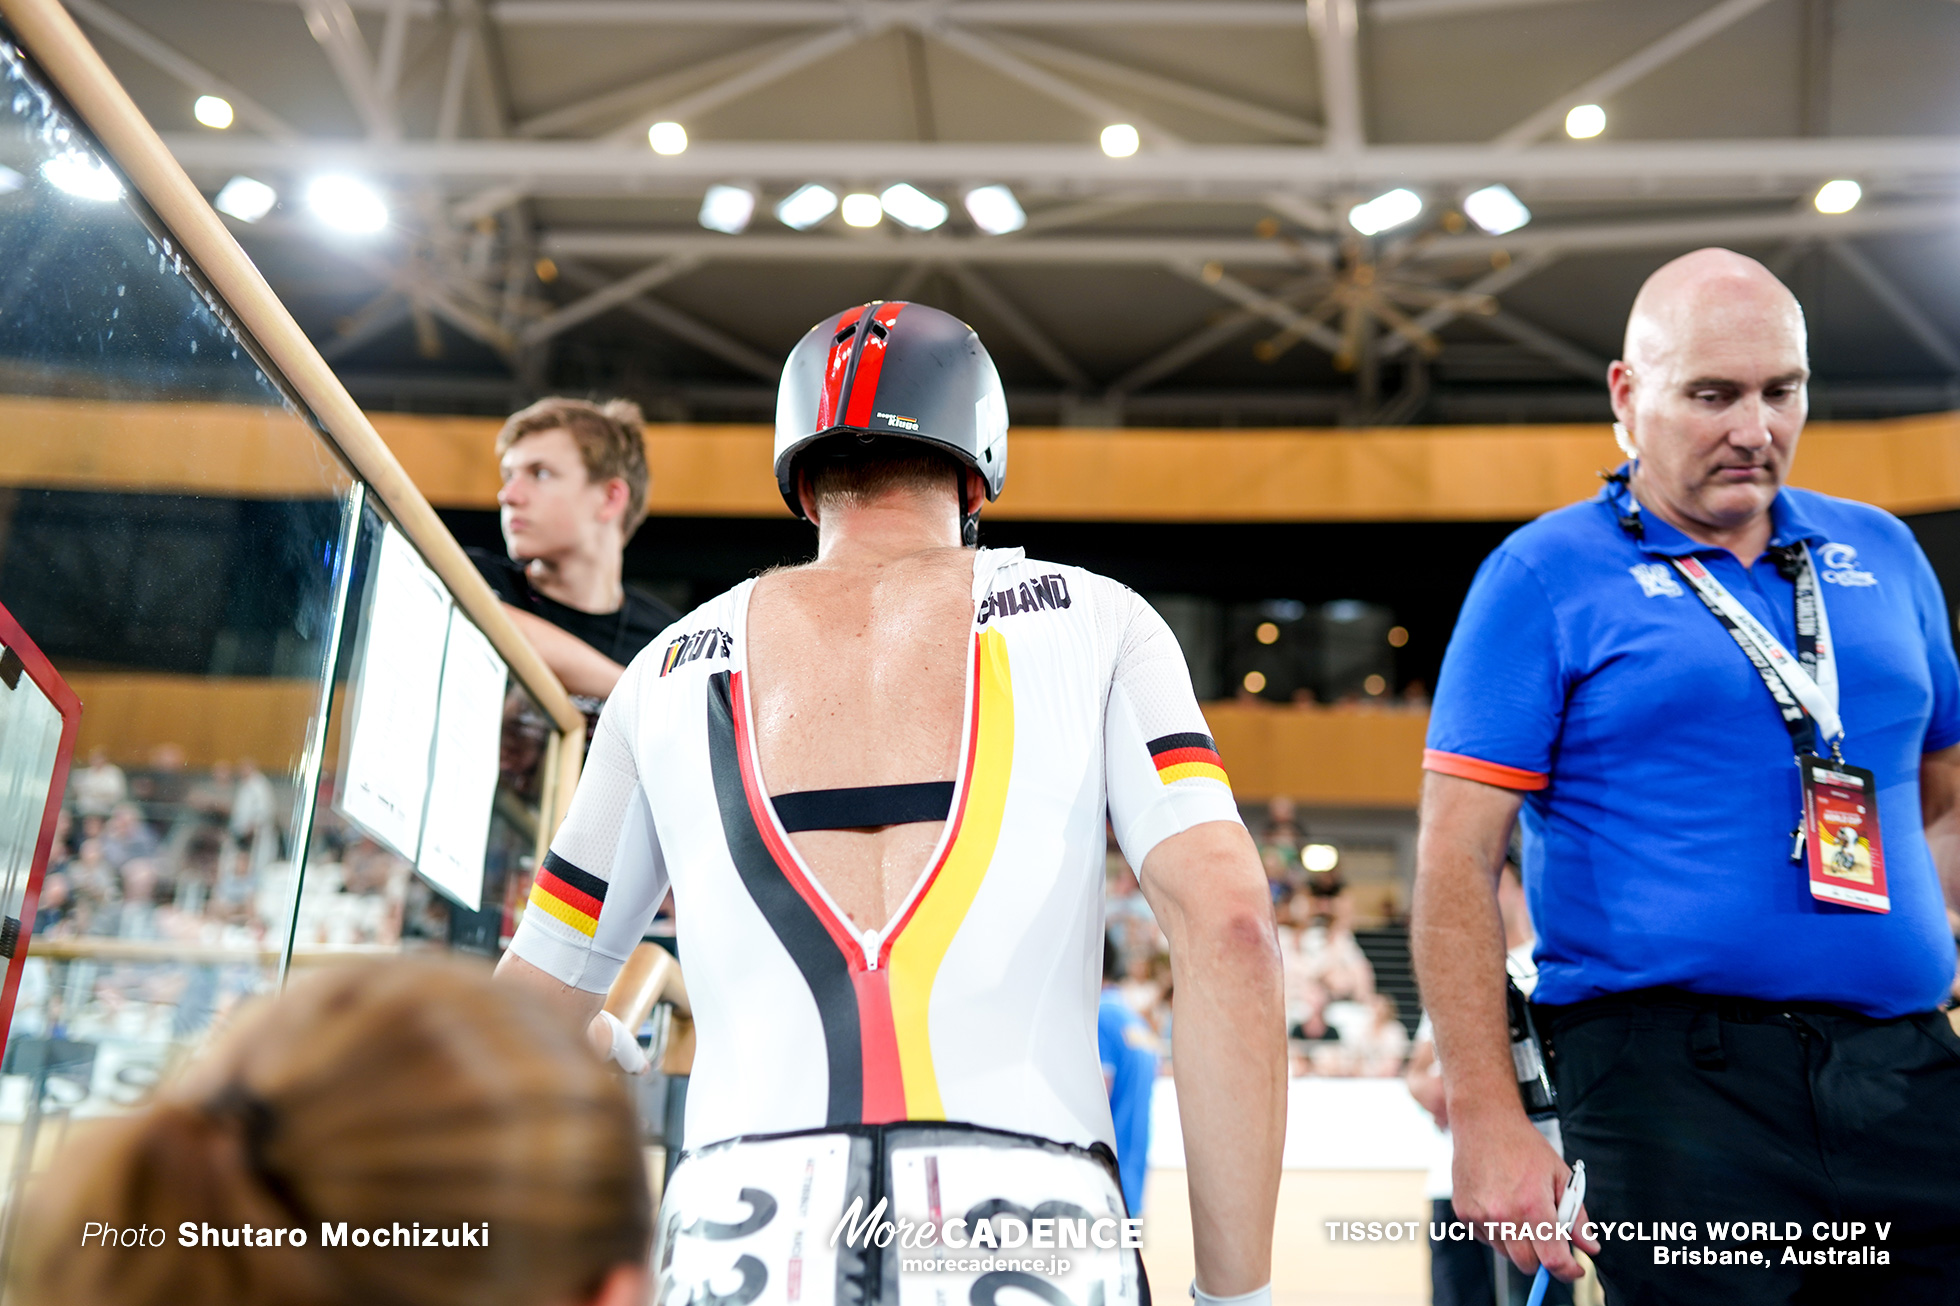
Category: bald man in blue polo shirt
[1727,714]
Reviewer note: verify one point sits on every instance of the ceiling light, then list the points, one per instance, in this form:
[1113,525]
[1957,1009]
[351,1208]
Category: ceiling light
[82,176]
[1120,140]
[727,209]
[995,210]
[246,199]
[1585,121]
[862,209]
[667,138]
[212,111]
[10,180]
[347,205]
[1391,209]
[908,204]
[806,206]
[1496,210]
[1838,196]
[1320,857]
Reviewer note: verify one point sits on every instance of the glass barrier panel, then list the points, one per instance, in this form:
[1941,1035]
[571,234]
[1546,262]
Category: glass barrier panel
[294,746]
[172,537]
[379,877]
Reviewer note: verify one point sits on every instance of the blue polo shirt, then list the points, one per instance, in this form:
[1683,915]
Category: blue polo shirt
[1660,792]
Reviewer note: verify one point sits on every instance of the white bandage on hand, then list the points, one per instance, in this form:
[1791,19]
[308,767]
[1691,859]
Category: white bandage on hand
[1257,1297]
[626,1050]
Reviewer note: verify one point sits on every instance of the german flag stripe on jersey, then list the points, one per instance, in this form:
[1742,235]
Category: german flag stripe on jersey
[1187,757]
[565,892]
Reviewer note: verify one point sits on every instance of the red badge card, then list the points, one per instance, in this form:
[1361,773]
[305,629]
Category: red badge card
[1840,821]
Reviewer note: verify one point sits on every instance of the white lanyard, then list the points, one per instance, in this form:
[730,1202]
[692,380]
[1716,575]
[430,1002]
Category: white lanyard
[1816,691]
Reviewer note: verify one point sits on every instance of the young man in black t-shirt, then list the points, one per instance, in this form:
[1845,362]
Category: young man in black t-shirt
[575,488]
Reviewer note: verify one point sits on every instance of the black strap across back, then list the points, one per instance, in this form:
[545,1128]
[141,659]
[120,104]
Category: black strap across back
[869,805]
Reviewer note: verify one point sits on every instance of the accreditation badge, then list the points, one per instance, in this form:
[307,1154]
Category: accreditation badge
[1840,822]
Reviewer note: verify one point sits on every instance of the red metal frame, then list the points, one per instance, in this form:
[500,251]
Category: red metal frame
[44,676]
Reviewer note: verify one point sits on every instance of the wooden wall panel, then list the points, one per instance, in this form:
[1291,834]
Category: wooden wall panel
[1333,756]
[131,714]
[1338,757]
[1472,473]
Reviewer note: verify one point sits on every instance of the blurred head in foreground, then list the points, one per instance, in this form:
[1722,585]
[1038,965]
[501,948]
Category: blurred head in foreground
[398,1094]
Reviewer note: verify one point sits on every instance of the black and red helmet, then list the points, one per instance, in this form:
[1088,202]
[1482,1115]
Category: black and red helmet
[892,369]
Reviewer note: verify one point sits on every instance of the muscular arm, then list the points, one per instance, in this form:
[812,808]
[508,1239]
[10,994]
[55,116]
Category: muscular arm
[1229,1045]
[1504,1168]
[581,668]
[1939,807]
[579,1008]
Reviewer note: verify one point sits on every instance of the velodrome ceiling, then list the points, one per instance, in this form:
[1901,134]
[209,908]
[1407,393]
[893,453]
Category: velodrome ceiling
[536,242]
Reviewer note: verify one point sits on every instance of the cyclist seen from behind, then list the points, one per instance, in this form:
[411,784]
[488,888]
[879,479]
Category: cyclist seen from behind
[877,785]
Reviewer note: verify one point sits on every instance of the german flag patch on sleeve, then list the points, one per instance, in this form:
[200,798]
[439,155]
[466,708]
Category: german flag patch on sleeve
[568,894]
[1187,757]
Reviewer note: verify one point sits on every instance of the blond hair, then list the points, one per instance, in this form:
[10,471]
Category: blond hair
[401,1093]
[611,440]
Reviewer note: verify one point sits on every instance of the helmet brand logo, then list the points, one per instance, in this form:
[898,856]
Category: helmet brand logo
[902,423]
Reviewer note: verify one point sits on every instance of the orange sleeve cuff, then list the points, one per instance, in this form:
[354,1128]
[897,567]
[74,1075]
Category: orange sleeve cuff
[1475,768]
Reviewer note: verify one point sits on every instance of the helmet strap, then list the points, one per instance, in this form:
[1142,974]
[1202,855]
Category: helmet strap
[969,521]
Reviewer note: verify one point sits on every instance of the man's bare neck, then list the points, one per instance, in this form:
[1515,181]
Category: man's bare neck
[583,583]
[1746,540]
[886,530]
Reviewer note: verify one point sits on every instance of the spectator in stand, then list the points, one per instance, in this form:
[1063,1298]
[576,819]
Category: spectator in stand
[211,796]
[1147,988]
[63,846]
[1282,837]
[54,905]
[374,1095]
[1337,963]
[1129,1062]
[197,870]
[1330,900]
[1279,876]
[1304,996]
[99,786]
[1383,1048]
[575,489]
[160,785]
[136,914]
[127,835]
[93,882]
[254,821]
[1126,914]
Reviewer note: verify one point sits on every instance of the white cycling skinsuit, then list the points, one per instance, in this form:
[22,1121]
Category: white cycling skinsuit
[975,1005]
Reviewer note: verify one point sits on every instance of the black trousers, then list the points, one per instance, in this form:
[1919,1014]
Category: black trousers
[1840,1131]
